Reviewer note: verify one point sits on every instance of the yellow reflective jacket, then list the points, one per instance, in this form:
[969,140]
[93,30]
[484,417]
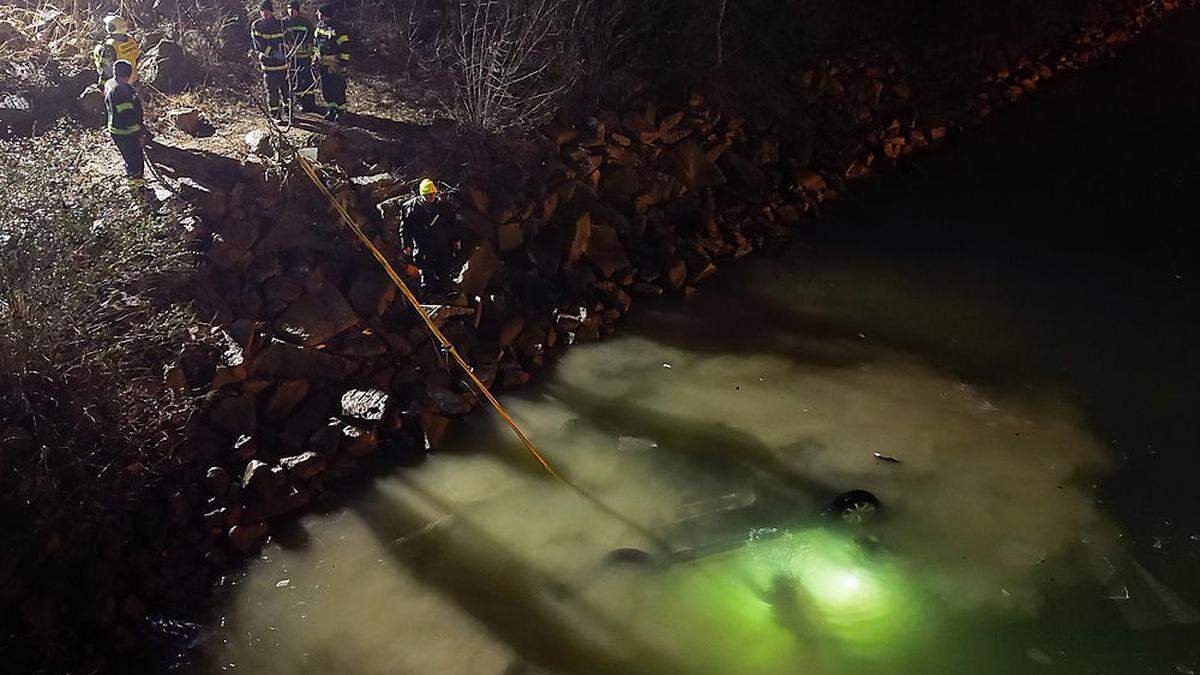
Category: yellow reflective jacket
[116,48]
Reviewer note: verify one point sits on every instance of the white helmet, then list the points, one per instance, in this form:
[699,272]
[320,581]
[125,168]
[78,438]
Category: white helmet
[115,25]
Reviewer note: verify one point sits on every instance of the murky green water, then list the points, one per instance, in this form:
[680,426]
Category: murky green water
[475,563]
[1031,372]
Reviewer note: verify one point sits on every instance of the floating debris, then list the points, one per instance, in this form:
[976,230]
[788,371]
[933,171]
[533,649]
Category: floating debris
[1038,656]
[880,457]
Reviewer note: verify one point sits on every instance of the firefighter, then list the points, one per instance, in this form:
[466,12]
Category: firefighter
[429,237]
[298,39]
[332,56]
[125,123]
[117,46]
[266,33]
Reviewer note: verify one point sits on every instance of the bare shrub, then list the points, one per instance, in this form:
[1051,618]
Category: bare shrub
[513,62]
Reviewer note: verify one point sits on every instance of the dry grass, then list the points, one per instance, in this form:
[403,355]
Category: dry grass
[88,326]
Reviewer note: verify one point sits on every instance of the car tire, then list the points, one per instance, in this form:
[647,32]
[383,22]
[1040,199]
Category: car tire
[856,507]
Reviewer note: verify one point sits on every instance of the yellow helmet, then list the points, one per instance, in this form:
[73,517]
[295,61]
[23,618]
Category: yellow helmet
[115,25]
[428,188]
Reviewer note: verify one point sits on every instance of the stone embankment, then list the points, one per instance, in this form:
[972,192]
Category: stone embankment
[324,364]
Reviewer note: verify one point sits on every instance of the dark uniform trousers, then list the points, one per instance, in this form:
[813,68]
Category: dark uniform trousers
[277,90]
[333,88]
[130,148]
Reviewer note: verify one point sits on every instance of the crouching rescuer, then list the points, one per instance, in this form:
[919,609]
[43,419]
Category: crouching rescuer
[125,122]
[332,56]
[429,237]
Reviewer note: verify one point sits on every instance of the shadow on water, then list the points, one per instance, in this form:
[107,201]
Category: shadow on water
[751,323]
[711,446]
[527,607]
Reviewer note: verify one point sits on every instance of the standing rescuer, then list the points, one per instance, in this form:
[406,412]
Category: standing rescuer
[125,122]
[332,56]
[117,46]
[429,236]
[266,33]
[298,38]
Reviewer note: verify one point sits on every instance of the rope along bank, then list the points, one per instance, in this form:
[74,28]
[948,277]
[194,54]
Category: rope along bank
[450,349]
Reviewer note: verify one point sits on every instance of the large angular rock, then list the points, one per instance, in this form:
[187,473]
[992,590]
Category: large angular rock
[235,414]
[304,466]
[693,168]
[263,478]
[578,232]
[190,122]
[288,395]
[166,67]
[605,251]
[475,275]
[285,361]
[364,404]
[246,538]
[16,114]
[371,294]
[259,142]
[318,317]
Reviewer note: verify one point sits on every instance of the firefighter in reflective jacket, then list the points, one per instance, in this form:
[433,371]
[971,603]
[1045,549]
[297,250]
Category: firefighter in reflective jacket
[298,39]
[125,123]
[266,33]
[332,57]
[117,46]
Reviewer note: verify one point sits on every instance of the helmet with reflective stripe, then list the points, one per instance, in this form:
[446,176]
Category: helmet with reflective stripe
[115,25]
[428,188]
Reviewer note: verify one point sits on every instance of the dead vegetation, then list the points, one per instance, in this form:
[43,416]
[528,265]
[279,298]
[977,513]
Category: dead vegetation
[89,327]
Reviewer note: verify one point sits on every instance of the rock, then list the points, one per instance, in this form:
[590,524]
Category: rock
[812,182]
[675,271]
[304,466]
[371,294]
[578,234]
[218,480]
[190,122]
[434,427]
[510,236]
[364,404]
[475,275]
[260,142]
[509,331]
[693,168]
[16,114]
[281,288]
[288,395]
[282,360]
[604,250]
[91,99]
[166,67]
[235,414]
[262,478]
[246,538]
[317,317]
[448,402]
[745,177]
[211,202]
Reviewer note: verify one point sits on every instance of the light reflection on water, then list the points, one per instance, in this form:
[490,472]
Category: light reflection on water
[476,563]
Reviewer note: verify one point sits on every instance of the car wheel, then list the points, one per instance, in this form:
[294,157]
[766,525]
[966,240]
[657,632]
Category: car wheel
[855,507]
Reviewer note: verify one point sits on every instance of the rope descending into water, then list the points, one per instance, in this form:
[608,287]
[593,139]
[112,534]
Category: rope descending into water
[466,368]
